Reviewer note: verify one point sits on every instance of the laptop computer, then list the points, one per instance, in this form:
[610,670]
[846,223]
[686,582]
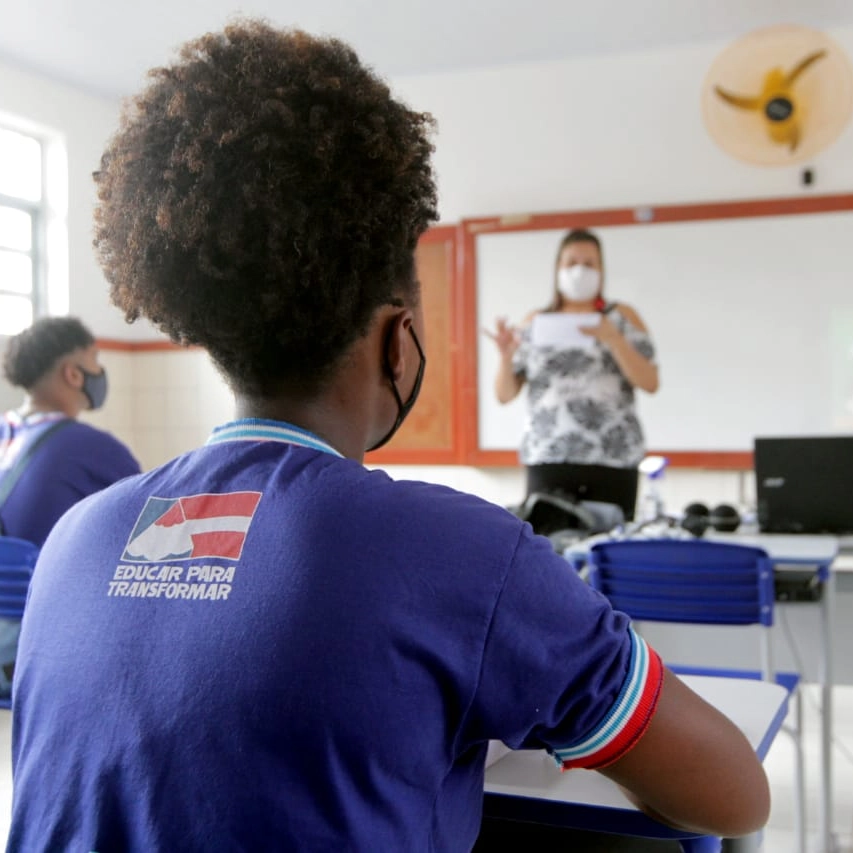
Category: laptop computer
[804,484]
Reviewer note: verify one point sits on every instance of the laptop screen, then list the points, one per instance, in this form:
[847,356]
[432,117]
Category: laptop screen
[805,484]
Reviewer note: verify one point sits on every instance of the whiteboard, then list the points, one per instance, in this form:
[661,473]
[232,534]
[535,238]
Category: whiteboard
[752,319]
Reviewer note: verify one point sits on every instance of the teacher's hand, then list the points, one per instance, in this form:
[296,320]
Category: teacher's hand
[505,336]
[605,331]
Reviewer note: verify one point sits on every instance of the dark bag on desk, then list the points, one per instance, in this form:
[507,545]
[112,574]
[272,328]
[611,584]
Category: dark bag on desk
[550,512]
[565,521]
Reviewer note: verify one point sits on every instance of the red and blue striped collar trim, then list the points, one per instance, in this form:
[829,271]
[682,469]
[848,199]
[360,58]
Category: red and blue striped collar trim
[260,429]
[627,719]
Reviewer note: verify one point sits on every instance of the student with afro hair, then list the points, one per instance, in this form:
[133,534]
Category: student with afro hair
[276,648]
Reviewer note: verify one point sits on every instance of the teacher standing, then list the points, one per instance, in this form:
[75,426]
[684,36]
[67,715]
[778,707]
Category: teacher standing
[581,435]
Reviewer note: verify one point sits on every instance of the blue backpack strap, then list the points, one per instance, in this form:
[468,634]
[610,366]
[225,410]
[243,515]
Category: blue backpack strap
[11,477]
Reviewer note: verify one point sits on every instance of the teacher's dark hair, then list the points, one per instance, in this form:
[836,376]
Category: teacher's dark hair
[31,354]
[261,198]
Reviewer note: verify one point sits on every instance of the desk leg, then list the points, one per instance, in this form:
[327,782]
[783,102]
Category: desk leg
[826,680]
[746,844]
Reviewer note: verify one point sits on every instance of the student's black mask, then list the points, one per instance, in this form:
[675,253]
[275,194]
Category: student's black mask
[403,409]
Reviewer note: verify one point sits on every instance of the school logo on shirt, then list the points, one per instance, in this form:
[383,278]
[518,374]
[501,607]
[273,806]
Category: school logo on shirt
[192,528]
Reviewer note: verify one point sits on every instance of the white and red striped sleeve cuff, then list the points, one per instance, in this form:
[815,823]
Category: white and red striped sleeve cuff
[628,718]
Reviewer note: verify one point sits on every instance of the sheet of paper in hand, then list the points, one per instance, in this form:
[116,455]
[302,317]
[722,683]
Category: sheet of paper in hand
[563,330]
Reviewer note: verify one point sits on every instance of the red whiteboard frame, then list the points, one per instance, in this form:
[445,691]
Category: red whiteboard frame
[469,229]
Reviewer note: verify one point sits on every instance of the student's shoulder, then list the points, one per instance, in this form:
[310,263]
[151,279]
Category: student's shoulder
[110,500]
[438,507]
[97,445]
[380,486]
[75,430]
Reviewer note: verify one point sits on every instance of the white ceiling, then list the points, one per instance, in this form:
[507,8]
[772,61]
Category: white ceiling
[105,47]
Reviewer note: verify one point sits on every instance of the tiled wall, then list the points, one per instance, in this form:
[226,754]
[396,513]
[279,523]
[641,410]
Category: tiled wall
[163,403]
[117,414]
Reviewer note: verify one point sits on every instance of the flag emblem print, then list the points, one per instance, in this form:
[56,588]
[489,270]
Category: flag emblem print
[192,527]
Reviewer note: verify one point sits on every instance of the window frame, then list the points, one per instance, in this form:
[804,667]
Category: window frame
[37,211]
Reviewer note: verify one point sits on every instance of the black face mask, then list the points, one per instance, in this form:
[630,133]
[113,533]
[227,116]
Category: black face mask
[403,409]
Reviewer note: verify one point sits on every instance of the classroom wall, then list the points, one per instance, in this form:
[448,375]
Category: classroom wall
[596,132]
[83,123]
[613,131]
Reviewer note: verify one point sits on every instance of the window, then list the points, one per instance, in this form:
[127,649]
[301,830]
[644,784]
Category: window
[21,230]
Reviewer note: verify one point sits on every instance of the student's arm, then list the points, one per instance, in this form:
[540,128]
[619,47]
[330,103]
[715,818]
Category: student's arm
[693,768]
[563,671]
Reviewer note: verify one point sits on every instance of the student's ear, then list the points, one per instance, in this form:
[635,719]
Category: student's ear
[396,336]
[71,374]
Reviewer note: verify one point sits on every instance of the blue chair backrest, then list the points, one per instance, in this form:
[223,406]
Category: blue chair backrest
[17,559]
[679,580]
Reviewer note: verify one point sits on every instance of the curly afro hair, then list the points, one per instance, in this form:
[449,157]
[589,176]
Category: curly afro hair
[32,353]
[261,198]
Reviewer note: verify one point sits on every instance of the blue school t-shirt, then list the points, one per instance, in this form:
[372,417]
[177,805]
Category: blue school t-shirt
[69,465]
[262,645]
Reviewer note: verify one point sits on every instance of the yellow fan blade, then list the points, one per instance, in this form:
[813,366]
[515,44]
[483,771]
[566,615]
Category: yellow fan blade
[785,132]
[795,137]
[741,101]
[798,69]
[774,85]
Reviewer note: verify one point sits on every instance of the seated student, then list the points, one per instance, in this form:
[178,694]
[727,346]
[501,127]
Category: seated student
[273,647]
[55,361]
[48,459]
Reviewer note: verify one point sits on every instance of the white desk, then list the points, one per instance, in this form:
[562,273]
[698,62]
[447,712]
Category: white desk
[788,553]
[528,785]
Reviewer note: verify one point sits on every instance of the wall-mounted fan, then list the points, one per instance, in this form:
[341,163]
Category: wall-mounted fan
[778,96]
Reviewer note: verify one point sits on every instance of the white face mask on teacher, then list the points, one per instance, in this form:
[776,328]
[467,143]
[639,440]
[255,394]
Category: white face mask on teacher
[579,283]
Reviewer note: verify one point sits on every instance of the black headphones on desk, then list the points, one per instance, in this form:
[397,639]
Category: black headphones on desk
[698,518]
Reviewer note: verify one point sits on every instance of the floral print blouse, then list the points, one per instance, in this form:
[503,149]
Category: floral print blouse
[580,408]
